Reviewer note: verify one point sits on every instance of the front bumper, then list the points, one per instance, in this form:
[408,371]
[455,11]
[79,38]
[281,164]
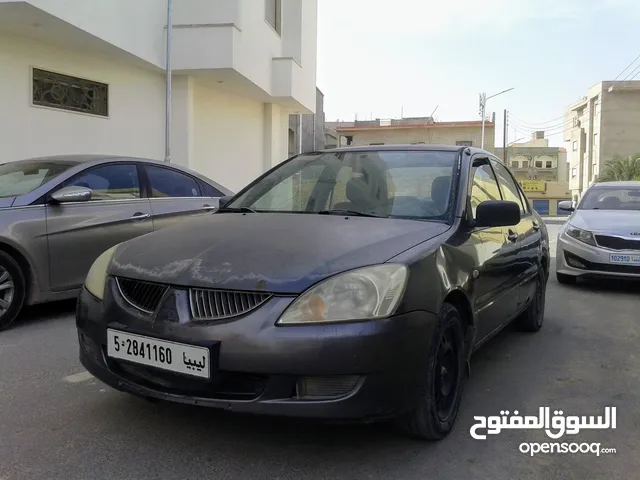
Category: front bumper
[579,259]
[259,366]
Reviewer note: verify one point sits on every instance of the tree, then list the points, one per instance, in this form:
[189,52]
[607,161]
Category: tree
[621,169]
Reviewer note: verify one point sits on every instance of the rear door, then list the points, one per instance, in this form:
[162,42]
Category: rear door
[494,293]
[527,233]
[175,196]
[77,233]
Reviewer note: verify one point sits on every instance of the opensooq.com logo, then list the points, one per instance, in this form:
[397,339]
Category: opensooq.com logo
[555,426]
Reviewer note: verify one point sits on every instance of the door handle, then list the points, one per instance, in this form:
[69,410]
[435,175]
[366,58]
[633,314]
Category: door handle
[536,226]
[208,208]
[140,216]
[513,236]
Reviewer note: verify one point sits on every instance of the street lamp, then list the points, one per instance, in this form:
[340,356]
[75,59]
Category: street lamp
[483,105]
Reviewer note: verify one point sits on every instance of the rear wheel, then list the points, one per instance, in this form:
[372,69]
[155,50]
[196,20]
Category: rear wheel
[566,279]
[442,384]
[12,290]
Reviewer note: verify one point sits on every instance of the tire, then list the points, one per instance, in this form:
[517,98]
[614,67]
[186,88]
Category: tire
[436,412]
[565,279]
[532,318]
[12,290]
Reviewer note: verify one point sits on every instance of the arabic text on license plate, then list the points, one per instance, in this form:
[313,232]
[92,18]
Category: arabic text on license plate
[626,259]
[171,356]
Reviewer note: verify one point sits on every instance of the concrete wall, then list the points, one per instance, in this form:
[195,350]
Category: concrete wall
[311,125]
[135,125]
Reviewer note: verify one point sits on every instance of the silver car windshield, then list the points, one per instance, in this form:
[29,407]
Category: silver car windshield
[611,198]
[384,183]
[20,178]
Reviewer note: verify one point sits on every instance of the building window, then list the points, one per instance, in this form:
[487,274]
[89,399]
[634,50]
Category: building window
[575,146]
[70,93]
[595,139]
[574,172]
[525,164]
[464,143]
[273,14]
[515,164]
[549,164]
[538,163]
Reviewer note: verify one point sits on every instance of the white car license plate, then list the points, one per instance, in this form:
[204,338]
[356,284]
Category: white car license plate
[625,259]
[171,356]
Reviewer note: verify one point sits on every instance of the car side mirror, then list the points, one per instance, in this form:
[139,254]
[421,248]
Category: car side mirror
[566,205]
[72,194]
[497,213]
[224,200]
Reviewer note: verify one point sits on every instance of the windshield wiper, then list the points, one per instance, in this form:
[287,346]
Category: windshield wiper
[341,211]
[237,209]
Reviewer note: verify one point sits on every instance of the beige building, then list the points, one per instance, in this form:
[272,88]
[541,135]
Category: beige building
[422,130]
[601,125]
[541,170]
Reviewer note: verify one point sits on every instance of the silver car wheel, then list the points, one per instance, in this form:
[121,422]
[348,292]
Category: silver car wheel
[7,290]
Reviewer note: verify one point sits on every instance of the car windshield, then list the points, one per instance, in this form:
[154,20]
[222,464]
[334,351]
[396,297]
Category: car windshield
[389,184]
[20,178]
[611,198]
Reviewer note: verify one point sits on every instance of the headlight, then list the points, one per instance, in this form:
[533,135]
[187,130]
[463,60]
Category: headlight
[362,294]
[97,276]
[582,235]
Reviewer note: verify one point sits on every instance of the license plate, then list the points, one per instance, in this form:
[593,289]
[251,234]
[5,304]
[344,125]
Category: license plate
[174,357]
[625,259]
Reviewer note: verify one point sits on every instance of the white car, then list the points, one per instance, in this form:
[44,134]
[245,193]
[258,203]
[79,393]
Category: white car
[601,238]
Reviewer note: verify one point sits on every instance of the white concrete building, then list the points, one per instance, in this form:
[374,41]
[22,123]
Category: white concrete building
[79,76]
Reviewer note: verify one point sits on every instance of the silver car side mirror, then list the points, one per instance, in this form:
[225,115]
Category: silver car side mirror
[72,194]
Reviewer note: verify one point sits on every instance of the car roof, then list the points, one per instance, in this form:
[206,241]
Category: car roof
[628,183]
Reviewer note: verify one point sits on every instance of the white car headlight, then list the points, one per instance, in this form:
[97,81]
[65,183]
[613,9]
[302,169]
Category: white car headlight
[97,276]
[584,236]
[362,294]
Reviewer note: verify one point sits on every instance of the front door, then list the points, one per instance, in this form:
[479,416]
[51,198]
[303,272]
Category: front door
[525,237]
[77,233]
[175,196]
[494,293]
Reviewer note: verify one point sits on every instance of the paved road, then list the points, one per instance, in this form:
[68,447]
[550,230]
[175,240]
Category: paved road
[56,422]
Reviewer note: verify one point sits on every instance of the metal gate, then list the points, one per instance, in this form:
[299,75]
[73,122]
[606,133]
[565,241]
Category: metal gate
[541,206]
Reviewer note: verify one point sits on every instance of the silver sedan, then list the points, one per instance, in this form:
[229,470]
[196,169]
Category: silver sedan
[58,214]
[601,238]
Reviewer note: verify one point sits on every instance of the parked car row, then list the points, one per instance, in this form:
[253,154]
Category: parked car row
[58,214]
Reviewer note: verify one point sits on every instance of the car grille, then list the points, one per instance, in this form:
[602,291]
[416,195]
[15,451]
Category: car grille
[218,304]
[144,296]
[575,261]
[617,243]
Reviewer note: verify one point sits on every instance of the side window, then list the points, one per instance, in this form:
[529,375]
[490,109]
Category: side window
[523,199]
[110,182]
[484,187]
[166,182]
[509,189]
[209,191]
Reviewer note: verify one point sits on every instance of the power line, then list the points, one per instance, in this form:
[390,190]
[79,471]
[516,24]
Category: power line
[637,69]
[625,68]
[535,123]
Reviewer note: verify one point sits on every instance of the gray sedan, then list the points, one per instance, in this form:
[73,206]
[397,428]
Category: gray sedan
[58,214]
[602,236]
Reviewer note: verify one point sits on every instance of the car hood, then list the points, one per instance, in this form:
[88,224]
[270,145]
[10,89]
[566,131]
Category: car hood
[278,253]
[607,221]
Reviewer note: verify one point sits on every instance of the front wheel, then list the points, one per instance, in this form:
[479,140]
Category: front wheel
[12,290]
[532,318]
[442,384]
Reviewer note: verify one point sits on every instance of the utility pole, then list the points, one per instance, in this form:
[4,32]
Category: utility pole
[167,127]
[483,106]
[504,138]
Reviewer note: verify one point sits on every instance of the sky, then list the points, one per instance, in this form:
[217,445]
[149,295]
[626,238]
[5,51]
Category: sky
[387,58]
